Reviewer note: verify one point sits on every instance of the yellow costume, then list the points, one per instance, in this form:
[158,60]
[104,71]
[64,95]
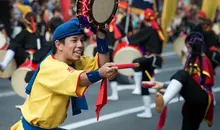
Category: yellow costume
[53,86]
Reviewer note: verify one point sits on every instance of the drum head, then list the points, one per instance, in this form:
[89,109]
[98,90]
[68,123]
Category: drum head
[216,28]
[126,55]
[2,40]
[18,81]
[178,45]
[10,68]
[89,50]
[103,10]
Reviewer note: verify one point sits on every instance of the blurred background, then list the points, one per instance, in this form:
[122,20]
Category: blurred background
[176,18]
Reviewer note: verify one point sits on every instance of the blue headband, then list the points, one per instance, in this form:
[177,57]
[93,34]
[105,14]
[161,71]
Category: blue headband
[69,28]
[194,39]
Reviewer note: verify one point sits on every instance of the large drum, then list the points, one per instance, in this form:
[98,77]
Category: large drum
[89,50]
[18,78]
[178,45]
[216,28]
[3,45]
[10,68]
[126,53]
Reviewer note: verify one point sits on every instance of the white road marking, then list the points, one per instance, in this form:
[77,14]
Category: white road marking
[7,94]
[121,87]
[168,69]
[132,86]
[117,114]
[168,54]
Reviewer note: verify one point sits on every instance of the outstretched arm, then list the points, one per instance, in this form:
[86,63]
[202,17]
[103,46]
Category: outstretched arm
[102,48]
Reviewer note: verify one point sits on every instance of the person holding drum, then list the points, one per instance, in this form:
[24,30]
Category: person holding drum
[27,39]
[64,74]
[150,39]
[193,83]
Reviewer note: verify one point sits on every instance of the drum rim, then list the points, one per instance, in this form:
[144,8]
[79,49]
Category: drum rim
[106,21]
[95,23]
[130,48]
[14,87]
[127,47]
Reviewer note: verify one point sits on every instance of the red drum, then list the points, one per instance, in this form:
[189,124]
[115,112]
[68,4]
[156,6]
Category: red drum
[3,45]
[125,53]
[18,78]
[10,68]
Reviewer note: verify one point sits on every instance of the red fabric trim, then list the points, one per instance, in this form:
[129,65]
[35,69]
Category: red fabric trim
[162,119]
[77,85]
[52,55]
[102,98]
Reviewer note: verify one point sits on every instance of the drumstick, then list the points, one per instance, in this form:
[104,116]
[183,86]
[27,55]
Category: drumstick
[125,66]
[147,85]
[148,75]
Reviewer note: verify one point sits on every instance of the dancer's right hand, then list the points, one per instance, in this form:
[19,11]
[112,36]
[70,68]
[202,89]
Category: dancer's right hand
[108,70]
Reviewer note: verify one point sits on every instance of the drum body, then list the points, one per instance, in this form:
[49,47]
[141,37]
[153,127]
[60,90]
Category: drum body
[89,50]
[10,68]
[3,45]
[125,53]
[216,28]
[178,45]
[18,78]
[94,14]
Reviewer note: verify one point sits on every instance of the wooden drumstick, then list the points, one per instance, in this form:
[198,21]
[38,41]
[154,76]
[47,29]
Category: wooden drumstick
[148,75]
[125,66]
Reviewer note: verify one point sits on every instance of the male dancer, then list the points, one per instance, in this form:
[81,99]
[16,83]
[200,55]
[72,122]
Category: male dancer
[62,75]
